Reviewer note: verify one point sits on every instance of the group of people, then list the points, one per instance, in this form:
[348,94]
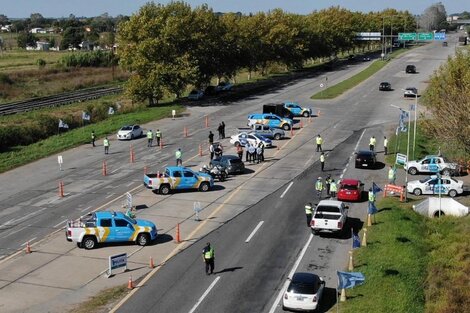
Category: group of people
[150,137]
[216,150]
[330,186]
[254,153]
[373,143]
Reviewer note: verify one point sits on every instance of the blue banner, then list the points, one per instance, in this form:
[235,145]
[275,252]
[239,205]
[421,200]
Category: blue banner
[348,280]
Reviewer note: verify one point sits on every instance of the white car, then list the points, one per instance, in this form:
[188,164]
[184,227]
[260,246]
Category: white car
[304,292]
[224,86]
[130,132]
[254,139]
[195,94]
[410,92]
[432,164]
[430,186]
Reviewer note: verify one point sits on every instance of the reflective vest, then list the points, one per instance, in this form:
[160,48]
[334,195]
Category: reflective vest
[372,141]
[308,209]
[149,135]
[93,136]
[318,185]
[319,140]
[106,143]
[178,154]
[385,142]
[209,253]
[333,187]
[371,196]
[322,158]
[158,133]
[391,174]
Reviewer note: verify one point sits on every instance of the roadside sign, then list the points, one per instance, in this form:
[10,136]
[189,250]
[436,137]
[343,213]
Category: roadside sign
[322,85]
[60,160]
[117,261]
[406,36]
[401,159]
[173,113]
[368,36]
[439,36]
[425,36]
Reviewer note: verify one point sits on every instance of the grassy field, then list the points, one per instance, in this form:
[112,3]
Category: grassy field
[14,60]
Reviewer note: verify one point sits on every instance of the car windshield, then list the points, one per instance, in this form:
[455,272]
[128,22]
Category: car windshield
[349,187]
[130,219]
[305,288]
[235,161]
[193,92]
[127,128]
[327,208]
[423,180]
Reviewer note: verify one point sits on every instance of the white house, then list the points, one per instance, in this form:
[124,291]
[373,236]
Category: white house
[38,30]
[42,45]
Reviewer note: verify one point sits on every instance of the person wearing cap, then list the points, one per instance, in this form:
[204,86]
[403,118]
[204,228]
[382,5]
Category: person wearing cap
[149,138]
[328,184]
[308,212]
[319,141]
[333,188]
[371,196]
[319,187]
[208,255]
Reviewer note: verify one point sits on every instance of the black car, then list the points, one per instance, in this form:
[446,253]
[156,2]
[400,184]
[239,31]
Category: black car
[385,86]
[231,162]
[410,69]
[366,158]
[210,91]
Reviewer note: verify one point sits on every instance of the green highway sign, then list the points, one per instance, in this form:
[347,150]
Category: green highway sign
[407,36]
[425,36]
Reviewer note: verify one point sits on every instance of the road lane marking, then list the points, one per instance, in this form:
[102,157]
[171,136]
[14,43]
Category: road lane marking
[28,241]
[287,189]
[294,268]
[129,184]
[115,170]
[86,209]
[204,295]
[254,231]
[57,225]
[360,138]
[109,196]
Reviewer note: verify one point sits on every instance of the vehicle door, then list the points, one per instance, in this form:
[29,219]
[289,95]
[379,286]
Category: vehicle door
[429,186]
[424,165]
[106,231]
[253,140]
[136,130]
[123,229]
[265,130]
[190,180]
[275,122]
[243,139]
[297,110]
[434,165]
[442,187]
[177,180]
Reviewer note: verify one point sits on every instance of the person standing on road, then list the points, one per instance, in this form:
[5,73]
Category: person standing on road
[252,153]
[208,255]
[385,145]
[223,129]
[372,142]
[219,130]
[93,138]
[322,161]
[247,153]
[319,187]
[218,150]
[211,150]
[333,188]
[319,141]
[328,184]
[106,145]
[178,156]
[392,175]
[240,152]
[149,138]
[308,213]
[211,137]
[371,196]
[158,135]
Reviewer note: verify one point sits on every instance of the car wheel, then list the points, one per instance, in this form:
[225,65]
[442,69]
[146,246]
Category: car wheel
[452,193]
[277,136]
[446,172]
[164,189]
[306,114]
[412,171]
[286,127]
[79,245]
[143,239]
[204,187]
[417,192]
[89,242]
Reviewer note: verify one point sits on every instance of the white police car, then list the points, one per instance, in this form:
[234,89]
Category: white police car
[254,139]
[432,164]
[431,186]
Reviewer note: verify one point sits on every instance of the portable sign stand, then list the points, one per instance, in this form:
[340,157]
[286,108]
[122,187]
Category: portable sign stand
[116,261]
[128,200]
[401,159]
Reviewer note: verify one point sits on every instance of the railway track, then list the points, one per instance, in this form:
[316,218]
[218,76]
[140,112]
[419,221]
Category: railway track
[57,100]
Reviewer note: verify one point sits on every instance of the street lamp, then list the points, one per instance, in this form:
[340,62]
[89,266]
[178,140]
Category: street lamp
[407,148]
[384,47]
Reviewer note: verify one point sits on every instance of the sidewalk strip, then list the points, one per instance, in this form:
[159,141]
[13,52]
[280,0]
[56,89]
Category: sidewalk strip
[28,241]
[254,231]
[204,295]
[287,189]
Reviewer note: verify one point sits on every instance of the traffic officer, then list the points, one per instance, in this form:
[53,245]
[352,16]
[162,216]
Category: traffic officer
[158,135]
[333,188]
[208,255]
[392,175]
[322,161]
[106,145]
[385,145]
[319,187]
[328,184]
[211,151]
[149,138]
[178,156]
[371,196]
[93,138]
[372,142]
[319,141]
[308,213]
[211,137]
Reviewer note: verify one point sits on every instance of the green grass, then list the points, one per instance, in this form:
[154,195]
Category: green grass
[101,302]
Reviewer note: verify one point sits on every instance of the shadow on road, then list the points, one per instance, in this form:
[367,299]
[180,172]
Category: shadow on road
[328,301]
[230,269]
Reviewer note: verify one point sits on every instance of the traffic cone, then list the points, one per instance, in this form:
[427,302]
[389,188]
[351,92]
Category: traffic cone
[301,124]
[28,248]
[178,239]
[207,121]
[351,263]
[292,132]
[343,295]
[130,284]
[200,150]
[278,147]
[364,238]
[185,132]
[104,170]
[145,170]
[61,189]
[151,265]
[369,221]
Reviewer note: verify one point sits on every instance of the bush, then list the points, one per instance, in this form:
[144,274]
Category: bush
[41,63]
[89,59]
[5,79]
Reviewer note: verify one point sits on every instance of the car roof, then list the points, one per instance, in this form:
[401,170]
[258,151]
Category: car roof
[365,152]
[108,214]
[350,181]
[330,202]
[302,277]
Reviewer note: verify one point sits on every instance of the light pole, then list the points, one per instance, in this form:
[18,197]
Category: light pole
[407,147]
[416,118]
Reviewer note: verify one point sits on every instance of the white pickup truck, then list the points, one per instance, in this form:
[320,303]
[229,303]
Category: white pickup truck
[329,216]
[432,164]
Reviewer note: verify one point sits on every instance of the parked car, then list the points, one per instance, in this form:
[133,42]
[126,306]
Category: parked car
[410,69]
[350,190]
[210,91]
[267,131]
[297,110]
[270,119]
[178,178]
[365,158]
[224,86]
[431,186]
[130,132]
[231,162]
[329,216]
[410,92]
[304,292]
[195,94]
[432,164]
[243,138]
[385,86]
[365,59]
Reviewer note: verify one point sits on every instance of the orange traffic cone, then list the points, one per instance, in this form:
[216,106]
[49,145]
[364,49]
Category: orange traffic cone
[28,248]
[130,284]
[151,265]
[178,239]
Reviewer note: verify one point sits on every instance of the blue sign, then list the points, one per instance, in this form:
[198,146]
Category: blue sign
[117,261]
[439,36]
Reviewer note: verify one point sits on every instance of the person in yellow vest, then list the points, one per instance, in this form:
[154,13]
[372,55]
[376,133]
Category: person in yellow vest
[322,161]
[106,145]
[371,196]
[93,138]
[319,187]
[319,141]
[208,255]
[308,213]
[385,145]
[328,184]
[158,135]
[392,175]
[372,142]
[333,188]
[149,138]
[178,156]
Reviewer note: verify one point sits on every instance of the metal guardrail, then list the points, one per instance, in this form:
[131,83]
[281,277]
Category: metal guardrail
[56,100]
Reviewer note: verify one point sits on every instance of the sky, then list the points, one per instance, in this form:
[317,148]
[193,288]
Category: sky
[90,8]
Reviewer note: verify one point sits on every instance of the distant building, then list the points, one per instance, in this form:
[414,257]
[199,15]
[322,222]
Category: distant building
[6,28]
[42,45]
[38,30]
[86,45]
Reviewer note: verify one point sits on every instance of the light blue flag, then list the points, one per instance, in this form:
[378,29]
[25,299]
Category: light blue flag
[86,116]
[348,280]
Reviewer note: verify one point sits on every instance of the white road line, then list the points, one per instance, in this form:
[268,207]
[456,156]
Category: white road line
[357,144]
[296,264]
[204,295]
[116,170]
[129,184]
[254,231]
[86,209]
[28,241]
[57,225]
[287,189]
[109,196]
[164,165]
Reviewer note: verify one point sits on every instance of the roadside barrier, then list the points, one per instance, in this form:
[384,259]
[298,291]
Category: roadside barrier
[364,238]
[369,220]
[178,238]
[104,170]
[351,261]
[394,189]
[28,248]
[200,150]
[61,189]
[130,284]
[151,265]
[343,295]
[207,121]
[132,154]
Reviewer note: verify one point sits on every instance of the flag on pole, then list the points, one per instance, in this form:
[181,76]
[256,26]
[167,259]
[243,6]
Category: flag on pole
[372,209]
[375,188]
[63,125]
[348,280]
[86,116]
[110,111]
[356,241]
[403,115]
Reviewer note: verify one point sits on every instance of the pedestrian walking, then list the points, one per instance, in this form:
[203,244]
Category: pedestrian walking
[385,145]
[319,187]
[319,141]
[211,137]
[308,213]
[252,153]
[219,130]
[240,152]
[211,150]
[208,255]
[158,135]
[223,130]
[372,142]
[392,175]
[106,145]
[179,156]
[149,138]
[333,188]
[322,161]
[93,138]
[328,184]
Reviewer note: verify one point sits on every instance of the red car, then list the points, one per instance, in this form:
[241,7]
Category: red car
[350,190]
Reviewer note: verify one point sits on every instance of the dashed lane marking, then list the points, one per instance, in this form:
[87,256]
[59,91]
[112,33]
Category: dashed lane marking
[287,189]
[254,232]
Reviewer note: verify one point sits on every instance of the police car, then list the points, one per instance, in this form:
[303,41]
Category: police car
[432,164]
[243,138]
[432,186]
[297,110]
[270,119]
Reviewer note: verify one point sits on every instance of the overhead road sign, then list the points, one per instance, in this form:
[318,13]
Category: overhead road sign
[425,36]
[369,36]
[406,36]
[439,36]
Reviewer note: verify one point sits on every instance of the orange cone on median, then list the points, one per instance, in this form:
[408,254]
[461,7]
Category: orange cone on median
[28,248]
[130,284]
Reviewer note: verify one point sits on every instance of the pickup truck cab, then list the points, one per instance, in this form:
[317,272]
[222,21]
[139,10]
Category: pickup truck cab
[178,178]
[270,119]
[109,226]
[329,216]
[267,131]
[432,164]
[297,110]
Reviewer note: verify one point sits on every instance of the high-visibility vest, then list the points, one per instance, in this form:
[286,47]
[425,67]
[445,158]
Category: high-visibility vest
[391,173]
[308,209]
[93,136]
[333,187]
[371,196]
[319,140]
[106,143]
[372,141]
[158,134]
[385,143]
[178,154]
[318,185]
[209,253]
[149,135]
[322,158]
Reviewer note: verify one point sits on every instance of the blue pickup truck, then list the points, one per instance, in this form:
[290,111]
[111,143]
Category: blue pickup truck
[297,110]
[177,178]
[110,226]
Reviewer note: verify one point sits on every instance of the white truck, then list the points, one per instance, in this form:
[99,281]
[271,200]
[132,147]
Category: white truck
[329,216]
[432,164]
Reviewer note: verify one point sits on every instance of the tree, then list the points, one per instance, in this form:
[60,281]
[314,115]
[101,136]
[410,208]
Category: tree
[434,17]
[36,20]
[4,19]
[26,39]
[71,38]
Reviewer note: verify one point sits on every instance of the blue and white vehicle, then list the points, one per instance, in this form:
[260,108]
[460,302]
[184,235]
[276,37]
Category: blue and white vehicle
[432,185]
[270,119]
[297,110]
[432,164]
[243,138]
[178,178]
